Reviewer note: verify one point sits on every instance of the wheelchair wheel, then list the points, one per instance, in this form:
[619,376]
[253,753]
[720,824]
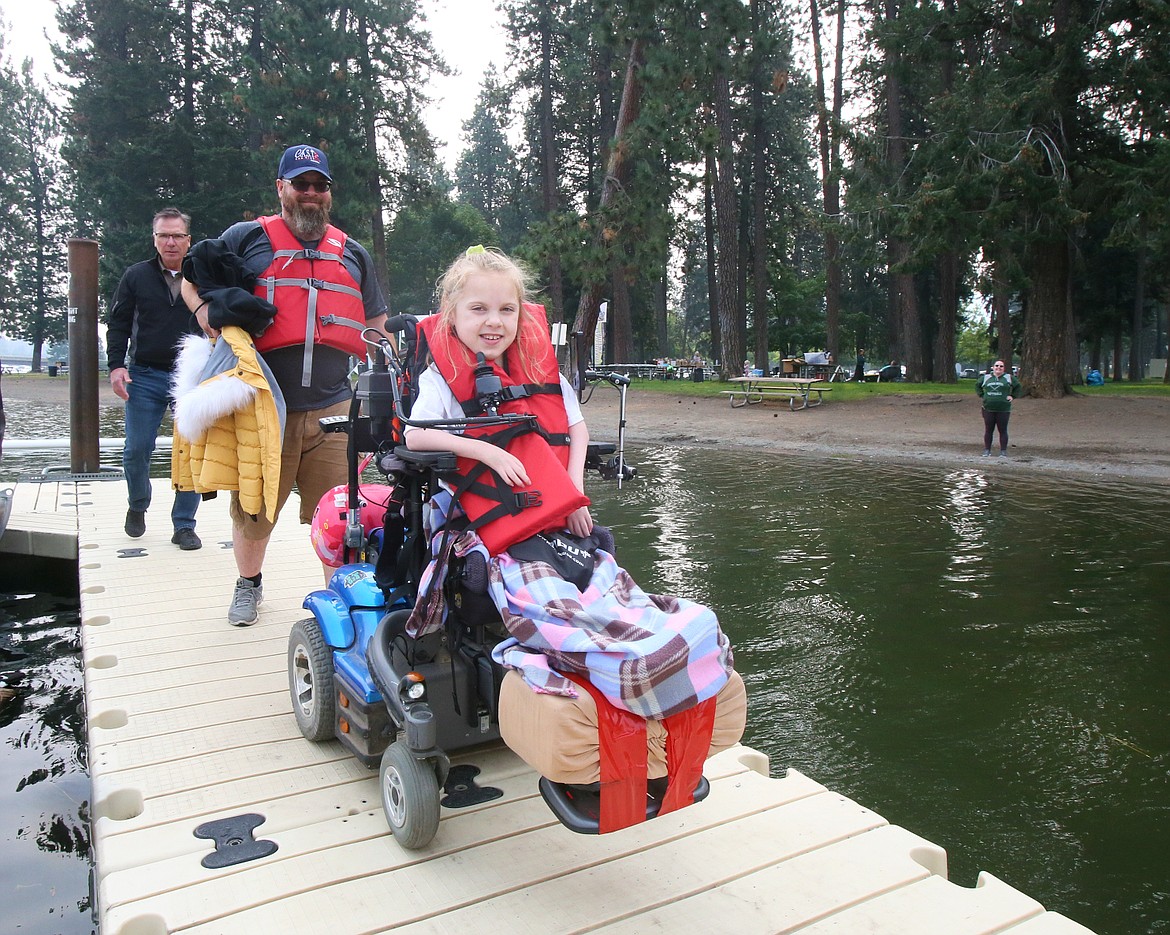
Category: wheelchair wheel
[310,680]
[410,797]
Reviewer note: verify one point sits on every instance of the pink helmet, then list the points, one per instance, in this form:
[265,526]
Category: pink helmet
[327,532]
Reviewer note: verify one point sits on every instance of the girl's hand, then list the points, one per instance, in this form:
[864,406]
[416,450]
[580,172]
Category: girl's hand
[580,523]
[508,466]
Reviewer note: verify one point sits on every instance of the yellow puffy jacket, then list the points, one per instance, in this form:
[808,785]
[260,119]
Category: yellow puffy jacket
[229,421]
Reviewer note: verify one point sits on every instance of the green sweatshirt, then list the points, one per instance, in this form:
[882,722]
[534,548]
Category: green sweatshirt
[996,390]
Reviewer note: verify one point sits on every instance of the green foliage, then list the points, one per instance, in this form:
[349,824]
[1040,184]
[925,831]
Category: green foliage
[426,237]
[34,215]
[192,104]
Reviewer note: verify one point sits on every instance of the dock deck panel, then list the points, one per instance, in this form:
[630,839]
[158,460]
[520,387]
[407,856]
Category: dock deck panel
[190,721]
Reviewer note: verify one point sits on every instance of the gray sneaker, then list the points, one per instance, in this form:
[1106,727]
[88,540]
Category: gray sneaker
[247,598]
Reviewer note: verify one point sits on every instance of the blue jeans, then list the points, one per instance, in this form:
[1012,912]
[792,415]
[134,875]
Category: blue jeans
[150,394]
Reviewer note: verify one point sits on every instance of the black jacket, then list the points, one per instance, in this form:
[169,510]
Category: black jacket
[145,325]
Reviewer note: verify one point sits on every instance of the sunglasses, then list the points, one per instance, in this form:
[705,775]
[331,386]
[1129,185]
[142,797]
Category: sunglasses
[303,185]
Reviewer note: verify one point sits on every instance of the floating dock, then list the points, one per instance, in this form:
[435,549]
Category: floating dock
[190,722]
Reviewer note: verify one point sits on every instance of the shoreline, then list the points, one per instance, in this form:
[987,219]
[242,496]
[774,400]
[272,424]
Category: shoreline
[1079,437]
[1098,438]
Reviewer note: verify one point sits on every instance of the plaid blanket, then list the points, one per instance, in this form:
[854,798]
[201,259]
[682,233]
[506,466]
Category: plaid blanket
[650,654]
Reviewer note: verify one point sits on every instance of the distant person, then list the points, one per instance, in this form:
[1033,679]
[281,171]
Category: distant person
[146,321]
[859,369]
[306,267]
[997,390]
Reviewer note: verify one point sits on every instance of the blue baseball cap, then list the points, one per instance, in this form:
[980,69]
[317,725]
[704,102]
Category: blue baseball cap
[299,159]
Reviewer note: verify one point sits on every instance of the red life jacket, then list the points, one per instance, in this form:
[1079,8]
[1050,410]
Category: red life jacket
[501,515]
[317,300]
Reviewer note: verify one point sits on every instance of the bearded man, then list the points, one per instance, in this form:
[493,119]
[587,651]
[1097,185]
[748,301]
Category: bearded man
[325,292]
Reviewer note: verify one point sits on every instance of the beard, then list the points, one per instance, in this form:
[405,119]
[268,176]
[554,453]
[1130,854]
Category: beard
[306,221]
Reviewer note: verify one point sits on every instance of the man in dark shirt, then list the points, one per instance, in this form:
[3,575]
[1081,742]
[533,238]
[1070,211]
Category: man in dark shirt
[320,274]
[147,320]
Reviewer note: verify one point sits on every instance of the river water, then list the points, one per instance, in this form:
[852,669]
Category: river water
[977,656]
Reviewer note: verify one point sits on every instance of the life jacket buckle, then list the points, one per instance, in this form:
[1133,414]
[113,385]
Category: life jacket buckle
[527,498]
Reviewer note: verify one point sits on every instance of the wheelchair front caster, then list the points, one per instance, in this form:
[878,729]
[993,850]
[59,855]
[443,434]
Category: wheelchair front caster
[410,797]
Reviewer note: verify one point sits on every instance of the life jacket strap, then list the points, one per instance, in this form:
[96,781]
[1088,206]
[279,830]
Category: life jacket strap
[510,394]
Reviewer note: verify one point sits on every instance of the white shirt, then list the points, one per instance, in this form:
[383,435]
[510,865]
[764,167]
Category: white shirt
[436,401]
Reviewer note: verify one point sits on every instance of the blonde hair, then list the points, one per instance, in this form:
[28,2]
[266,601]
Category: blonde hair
[450,286]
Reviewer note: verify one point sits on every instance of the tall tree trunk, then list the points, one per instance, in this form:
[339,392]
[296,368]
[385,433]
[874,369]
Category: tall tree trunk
[727,224]
[1137,321]
[712,265]
[661,316]
[903,300]
[830,183]
[1046,325]
[948,314]
[617,175]
[1117,351]
[759,223]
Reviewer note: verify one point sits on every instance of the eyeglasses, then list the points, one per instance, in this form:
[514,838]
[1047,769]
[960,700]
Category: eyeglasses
[303,185]
[171,236]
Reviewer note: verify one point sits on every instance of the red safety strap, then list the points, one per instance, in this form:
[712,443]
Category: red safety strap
[688,740]
[621,742]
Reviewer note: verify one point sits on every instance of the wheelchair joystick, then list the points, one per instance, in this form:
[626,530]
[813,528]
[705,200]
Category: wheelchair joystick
[488,386]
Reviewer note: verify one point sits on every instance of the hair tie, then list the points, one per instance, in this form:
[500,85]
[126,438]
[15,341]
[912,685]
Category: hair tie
[478,248]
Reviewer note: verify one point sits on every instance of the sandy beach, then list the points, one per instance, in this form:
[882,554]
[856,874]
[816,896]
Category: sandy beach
[1102,437]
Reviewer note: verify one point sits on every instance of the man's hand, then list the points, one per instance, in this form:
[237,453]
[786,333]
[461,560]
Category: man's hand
[198,307]
[119,380]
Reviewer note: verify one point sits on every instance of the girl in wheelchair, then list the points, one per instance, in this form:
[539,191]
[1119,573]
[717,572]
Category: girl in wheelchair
[592,658]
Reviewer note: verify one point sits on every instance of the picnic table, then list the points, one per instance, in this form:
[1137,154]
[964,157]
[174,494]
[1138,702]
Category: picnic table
[754,390]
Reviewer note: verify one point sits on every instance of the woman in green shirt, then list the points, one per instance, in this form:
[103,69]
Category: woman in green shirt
[997,390]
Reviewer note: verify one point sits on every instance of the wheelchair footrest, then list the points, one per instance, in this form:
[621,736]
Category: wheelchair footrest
[578,808]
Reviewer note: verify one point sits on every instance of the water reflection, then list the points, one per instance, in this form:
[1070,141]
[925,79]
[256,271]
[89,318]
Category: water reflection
[978,657]
[36,419]
[44,789]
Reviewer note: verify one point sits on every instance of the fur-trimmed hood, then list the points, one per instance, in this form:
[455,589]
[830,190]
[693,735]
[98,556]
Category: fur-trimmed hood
[213,379]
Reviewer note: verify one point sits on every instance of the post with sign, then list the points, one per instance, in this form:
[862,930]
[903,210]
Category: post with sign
[599,335]
[83,351]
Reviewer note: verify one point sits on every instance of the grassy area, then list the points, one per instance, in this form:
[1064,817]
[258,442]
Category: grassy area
[854,391]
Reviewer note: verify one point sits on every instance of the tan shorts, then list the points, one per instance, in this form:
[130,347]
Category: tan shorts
[557,736]
[310,459]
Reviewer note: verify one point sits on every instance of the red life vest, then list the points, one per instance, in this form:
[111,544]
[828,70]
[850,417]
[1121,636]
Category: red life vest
[317,300]
[501,515]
